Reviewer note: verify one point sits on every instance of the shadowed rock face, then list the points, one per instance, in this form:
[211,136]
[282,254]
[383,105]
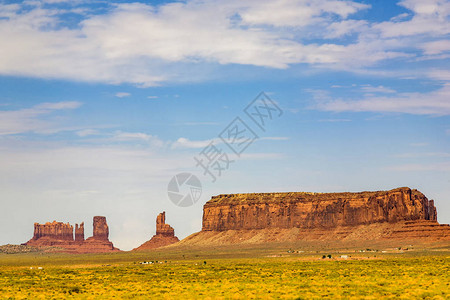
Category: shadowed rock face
[315,210]
[165,235]
[79,232]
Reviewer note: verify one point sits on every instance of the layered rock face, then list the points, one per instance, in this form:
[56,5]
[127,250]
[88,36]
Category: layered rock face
[400,213]
[79,232]
[161,227]
[315,210]
[99,242]
[61,235]
[101,229]
[54,230]
[165,235]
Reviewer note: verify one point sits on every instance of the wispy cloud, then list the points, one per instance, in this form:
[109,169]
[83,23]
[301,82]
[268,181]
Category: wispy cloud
[186,143]
[429,103]
[377,89]
[443,166]
[419,144]
[120,136]
[122,95]
[87,132]
[35,119]
[263,156]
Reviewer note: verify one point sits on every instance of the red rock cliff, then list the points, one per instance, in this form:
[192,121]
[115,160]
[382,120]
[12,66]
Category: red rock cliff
[161,227]
[61,235]
[315,210]
[101,230]
[55,230]
[79,232]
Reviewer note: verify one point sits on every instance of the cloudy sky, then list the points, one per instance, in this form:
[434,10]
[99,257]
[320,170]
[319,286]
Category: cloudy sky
[103,102]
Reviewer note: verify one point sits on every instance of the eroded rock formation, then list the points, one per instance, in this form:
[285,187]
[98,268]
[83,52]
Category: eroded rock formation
[101,229]
[399,213]
[315,210]
[79,232]
[54,230]
[61,235]
[165,235]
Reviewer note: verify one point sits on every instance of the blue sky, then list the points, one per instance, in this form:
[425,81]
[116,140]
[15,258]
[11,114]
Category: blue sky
[101,103]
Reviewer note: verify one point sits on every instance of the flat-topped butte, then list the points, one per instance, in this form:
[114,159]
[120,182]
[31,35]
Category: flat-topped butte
[248,198]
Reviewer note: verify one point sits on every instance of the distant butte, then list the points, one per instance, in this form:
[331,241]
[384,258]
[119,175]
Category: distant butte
[165,235]
[400,213]
[58,234]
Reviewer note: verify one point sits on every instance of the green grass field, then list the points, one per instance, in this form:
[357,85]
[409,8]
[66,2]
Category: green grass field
[227,274]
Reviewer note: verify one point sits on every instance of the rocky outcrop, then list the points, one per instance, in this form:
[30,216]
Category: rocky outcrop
[165,235]
[58,234]
[101,229]
[315,210]
[161,227]
[99,242]
[400,213]
[79,232]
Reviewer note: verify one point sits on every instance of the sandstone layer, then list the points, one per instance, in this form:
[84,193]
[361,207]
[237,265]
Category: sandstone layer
[58,234]
[400,213]
[165,235]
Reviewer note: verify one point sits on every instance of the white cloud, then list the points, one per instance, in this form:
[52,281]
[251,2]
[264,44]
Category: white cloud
[297,12]
[377,89]
[152,97]
[87,132]
[190,144]
[431,17]
[34,119]
[346,27]
[122,95]
[120,136]
[439,74]
[173,38]
[430,103]
[186,143]
[436,47]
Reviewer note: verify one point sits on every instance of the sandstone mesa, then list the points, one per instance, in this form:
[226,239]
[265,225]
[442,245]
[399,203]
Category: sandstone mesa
[401,213]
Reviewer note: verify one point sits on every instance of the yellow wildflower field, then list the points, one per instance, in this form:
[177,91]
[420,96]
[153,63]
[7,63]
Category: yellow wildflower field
[309,276]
